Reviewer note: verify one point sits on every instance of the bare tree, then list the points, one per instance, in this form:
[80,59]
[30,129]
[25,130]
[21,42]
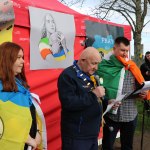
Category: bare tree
[134,11]
[72,2]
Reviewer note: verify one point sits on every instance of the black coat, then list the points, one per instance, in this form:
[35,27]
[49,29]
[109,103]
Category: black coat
[144,68]
[81,112]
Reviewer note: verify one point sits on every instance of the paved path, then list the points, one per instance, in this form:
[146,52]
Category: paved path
[137,142]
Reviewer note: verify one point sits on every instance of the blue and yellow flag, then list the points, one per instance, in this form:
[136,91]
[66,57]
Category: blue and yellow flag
[15,118]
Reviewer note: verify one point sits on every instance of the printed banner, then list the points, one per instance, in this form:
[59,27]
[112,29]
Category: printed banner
[102,36]
[6,20]
[52,39]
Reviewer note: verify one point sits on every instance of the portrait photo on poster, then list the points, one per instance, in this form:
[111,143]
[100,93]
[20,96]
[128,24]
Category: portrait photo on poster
[52,39]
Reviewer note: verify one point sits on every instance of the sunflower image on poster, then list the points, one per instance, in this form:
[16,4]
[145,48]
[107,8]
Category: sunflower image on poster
[102,36]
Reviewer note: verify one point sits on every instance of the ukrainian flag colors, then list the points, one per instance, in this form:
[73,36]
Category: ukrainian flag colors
[61,55]
[16,119]
[17,123]
[45,50]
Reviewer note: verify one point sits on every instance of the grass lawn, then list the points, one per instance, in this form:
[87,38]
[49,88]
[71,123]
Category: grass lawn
[140,106]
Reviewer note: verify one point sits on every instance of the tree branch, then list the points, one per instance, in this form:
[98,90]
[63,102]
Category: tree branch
[144,11]
[133,30]
[146,23]
[134,1]
[130,11]
[128,4]
[121,11]
[110,8]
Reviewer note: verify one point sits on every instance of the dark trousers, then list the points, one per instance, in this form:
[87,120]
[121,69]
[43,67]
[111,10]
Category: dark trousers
[127,130]
[69,143]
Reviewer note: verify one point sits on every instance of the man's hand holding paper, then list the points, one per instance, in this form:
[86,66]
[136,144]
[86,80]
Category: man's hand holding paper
[143,94]
[113,104]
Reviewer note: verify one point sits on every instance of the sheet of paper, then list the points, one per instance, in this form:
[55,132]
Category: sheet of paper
[144,88]
[120,97]
[109,106]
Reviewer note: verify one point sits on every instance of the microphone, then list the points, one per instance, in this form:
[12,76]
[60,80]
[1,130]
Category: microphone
[111,128]
[29,147]
[99,82]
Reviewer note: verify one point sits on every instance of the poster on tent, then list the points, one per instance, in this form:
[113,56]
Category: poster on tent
[102,36]
[6,20]
[52,38]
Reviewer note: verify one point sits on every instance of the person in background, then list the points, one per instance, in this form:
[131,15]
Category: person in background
[81,110]
[17,112]
[120,76]
[53,43]
[145,67]
[145,70]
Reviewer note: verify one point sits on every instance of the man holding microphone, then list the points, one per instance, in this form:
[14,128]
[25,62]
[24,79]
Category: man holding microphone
[80,100]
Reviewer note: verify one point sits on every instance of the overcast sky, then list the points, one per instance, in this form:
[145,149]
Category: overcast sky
[88,4]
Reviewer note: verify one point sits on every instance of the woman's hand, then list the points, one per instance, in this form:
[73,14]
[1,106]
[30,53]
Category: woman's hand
[31,142]
[38,138]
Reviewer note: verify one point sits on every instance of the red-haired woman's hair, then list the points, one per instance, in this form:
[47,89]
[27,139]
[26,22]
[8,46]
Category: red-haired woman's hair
[8,55]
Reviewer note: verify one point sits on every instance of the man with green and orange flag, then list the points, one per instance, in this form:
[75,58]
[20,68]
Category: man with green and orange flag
[120,76]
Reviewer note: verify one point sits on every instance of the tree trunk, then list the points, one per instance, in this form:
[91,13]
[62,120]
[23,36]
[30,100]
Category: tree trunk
[138,49]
